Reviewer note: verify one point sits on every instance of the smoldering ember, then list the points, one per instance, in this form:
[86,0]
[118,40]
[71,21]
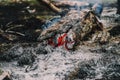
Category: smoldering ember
[59,40]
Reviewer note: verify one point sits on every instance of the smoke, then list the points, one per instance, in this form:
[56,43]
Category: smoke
[94,1]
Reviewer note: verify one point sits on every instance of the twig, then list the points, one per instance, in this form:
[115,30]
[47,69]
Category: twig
[13,32]
[14,27]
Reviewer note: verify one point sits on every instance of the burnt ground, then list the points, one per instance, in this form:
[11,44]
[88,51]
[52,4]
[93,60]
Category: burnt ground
[25,58]
[18,17]
[23,17]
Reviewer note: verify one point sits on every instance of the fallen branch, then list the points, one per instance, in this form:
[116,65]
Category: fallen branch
[50,5]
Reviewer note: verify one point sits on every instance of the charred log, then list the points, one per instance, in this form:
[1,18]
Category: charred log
[87,26]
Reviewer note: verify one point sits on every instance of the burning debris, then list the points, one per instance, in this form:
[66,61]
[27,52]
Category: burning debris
[75,28]
[78,25]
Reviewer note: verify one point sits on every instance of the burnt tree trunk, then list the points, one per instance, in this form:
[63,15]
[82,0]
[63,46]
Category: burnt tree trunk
[118,6]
